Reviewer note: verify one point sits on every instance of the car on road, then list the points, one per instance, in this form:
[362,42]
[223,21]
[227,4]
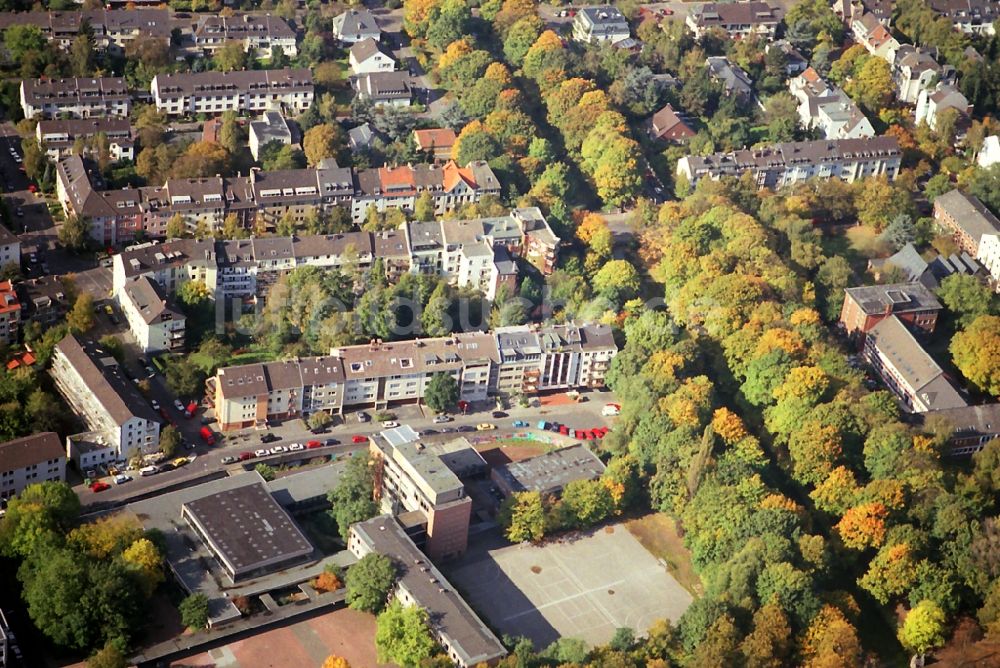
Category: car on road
[295,447]
[611,410]
[278,449]
[359,439]
[121,479]
[554,427]
[427,432]
[180,461]
[331,441]
[245,456]
[389,424]
[448,430]
[269,438]
[148,470]
[499,414]
[155,404]
[260,453]
[441,419]
[465,428]
[178,405]
[99,486]
[166,466]
[520,424]
[190,409]
[363,417]
[564,430]
[229,459]
[485,426]
[19,212]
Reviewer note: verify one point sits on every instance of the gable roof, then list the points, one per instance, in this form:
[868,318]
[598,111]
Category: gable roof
[666,119]
[365,49]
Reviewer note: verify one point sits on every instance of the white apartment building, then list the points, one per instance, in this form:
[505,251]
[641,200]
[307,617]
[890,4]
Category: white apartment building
[247,91]
[154,320]
[60,137]
[259,33]
[76,98]
[989,257]
[824,106]
[272,126]
[93,384]
[30,460]
[604,23]
[10,247]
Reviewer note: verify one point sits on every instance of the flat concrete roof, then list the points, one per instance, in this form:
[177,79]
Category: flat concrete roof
[247,529]
[548,473]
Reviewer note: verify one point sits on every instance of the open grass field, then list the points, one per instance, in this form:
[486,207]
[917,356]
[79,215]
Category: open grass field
[657,532]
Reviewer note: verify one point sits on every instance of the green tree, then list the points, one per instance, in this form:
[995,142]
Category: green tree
[441,392]
[193,292]
[976,352]
[319,420]
[232,137]
[523,516]
[145,560]
[617,280]
[81,317]
[44,411]
[966,298]
[423,208]
[231,57]
[81,51]
[322,141]
[176,227]
[434,320]
[170,440]
[74,233]
[194,611]
[924,628]
[184,378]
[37,518]
[402,635]
[352,498]
[24,39]
[108,656]
[369,582]
[585,503]
[265,471]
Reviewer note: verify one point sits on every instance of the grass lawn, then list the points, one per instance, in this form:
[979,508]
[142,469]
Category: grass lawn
[865,242]
[658,533]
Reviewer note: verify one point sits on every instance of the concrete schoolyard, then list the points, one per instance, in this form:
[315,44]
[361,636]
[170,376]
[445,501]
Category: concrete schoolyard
[584,585]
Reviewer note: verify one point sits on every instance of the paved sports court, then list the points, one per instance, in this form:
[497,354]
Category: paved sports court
[583,587]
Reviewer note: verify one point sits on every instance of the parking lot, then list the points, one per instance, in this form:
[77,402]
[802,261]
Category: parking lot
[565,588]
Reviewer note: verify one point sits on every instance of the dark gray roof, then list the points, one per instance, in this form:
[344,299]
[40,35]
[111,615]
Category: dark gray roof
[149,299]
[28,450]
[450,616]
[735,13]
[247,528]
[897,297]
[355,22]
[548,473]
[969,213]
[259,81]
[66,91]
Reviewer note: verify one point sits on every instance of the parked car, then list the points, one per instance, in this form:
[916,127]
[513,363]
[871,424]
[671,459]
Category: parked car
[554,427]
[465,428]
[543,425]
[441,419]
[148,470]
[295,447]
[207,435]
[260,453]
[278,449]
[520,424]
[499,414]
[191,408]
[579,434]
[269,438]
[427,432]
[165,466]
[155,404]
[99,486]
[564,430]
[121,479]
[19,212]
[363,417]
[332,441]
[312,445]
[611,409]
[180,461]
[245,456]
[359,439]
[485,426]
[179,405]
[390,424]
[229,459]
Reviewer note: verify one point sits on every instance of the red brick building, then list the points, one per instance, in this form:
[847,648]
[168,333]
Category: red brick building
[866,306]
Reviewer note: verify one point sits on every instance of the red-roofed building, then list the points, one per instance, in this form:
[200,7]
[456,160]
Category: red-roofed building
[10,313]
[436,141]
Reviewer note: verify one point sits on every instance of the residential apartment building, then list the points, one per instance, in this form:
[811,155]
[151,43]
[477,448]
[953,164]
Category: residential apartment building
[154,320]
[914,70]
[668,125]
[366,57]
[828,108]
[246,91]
[10,313]
[59,138]
[113,30]
[974,17]
[906,368]
[260,34]
[989,257]
[866,306]
[390,89]
[355,25]
[966,219]
[75,98]
[272,126]
[94,385]
[973,426]
[736,19]
[412,478]
[10,248]
[603,23]
[456,627]
[851,10]
[469,253]
[734,81]
[794,162]
[931,103]
[30,460]
[43,300]
[436,142]
[870,32]
[261,199]
[515,360]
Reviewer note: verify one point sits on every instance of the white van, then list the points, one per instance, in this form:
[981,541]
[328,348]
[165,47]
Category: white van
[148,470]
[611,409]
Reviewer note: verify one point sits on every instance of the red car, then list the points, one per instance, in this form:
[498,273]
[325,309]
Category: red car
[579,434]
[99,486]
[190,410]
[32,188]
[359,439]
[564,430]
[164,414]
[313,444]
[245,456]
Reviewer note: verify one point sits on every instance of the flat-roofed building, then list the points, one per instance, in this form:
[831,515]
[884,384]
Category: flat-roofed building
[906,368]
[548,473]
[155,321]
[94,385]
[245,91]
[83,97]
[866,306]
[247,531]
[966,219]
[411,478]
[272,126]
[464,637]
[29,460]
[788,163]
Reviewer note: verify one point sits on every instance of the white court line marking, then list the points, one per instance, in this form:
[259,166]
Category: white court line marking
[562,600]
